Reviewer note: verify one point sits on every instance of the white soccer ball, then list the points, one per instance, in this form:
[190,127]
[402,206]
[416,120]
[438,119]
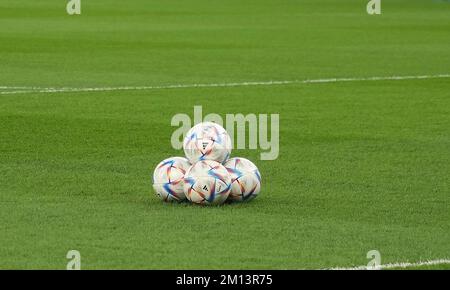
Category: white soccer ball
[207,141]
[168,179]
[245,179]
[207,182]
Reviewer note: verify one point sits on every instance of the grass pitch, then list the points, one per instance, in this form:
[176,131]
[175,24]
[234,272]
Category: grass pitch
[363,165]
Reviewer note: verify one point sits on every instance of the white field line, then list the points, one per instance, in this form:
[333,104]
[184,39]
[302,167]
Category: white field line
[25,90]
[18,88]
[399,265]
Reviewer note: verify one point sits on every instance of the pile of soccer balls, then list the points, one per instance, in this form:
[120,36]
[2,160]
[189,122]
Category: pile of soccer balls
[207,176]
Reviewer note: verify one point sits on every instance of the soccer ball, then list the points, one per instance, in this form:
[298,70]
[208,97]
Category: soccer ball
[207,141]
[207,182]
[245,179]
[168,179]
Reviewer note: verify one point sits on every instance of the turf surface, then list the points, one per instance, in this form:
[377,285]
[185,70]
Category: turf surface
[362,166]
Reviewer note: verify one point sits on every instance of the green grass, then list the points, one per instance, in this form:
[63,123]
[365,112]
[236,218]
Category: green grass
[362,165]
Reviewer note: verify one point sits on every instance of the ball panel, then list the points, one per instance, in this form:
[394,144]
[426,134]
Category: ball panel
[245,179]
[168,179]
[207,141]
[207,182]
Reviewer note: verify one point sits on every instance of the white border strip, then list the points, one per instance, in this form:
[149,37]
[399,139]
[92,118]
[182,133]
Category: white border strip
[400,265]
[27,90]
